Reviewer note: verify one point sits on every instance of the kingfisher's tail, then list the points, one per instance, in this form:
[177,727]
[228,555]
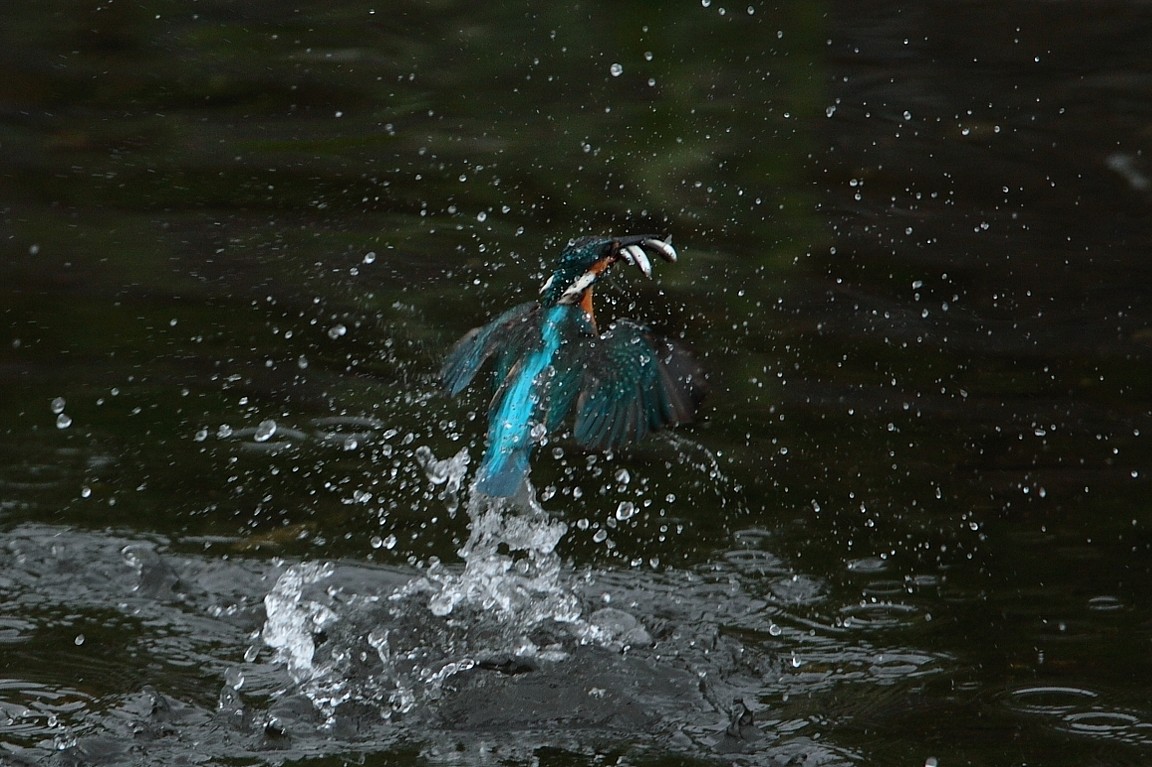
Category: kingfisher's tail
[502,473]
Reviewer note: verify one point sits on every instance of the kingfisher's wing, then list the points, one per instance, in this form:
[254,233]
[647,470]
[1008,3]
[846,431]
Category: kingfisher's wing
[632,383]
[503,337]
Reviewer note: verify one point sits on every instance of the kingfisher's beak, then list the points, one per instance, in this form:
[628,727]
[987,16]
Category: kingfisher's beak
[633,250]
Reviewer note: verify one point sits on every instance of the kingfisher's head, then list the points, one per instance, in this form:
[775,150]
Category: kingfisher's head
[585,259]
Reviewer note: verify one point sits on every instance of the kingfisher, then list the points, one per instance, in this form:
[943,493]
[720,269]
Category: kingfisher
[552,364]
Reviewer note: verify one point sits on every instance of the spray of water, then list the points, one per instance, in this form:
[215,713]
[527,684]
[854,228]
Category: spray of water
[510,602]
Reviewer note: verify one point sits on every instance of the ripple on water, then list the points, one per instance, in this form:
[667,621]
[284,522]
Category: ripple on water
[756,562]
[15,630]
[753,537]
[894,665]
[1047,700]
[32,472]
[266,438]
[885,587]
[876,615]
[868,565]
[271,437]
[1105,603]
[798,589]
[1102,722]
[348,432]
[30,710]
[1109,724]
[1081,712]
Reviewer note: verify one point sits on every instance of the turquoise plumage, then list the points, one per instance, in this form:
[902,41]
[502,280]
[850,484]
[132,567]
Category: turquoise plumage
[550,362]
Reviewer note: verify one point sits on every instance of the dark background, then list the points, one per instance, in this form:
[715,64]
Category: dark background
[914,259]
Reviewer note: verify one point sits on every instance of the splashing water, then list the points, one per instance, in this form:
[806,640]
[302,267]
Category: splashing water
[448,473]
[290,627]
[524,586]
[512,604]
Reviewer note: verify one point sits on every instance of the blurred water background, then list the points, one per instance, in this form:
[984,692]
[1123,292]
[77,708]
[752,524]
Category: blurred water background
[912,526]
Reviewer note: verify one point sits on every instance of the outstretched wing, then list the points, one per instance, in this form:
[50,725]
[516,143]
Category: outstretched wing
[633,383]
[503,336]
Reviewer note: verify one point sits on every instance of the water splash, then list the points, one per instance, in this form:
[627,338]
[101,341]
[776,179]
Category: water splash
[511,568]
[293,621]
[448,473]
[510,605]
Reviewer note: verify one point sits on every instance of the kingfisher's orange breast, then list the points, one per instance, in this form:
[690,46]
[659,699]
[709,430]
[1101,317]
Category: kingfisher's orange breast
[586,301]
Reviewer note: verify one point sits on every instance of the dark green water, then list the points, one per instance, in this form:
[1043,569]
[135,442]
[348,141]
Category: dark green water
[913,523]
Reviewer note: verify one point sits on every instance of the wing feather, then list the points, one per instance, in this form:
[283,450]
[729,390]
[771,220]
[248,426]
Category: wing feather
[504,335]
[633,383]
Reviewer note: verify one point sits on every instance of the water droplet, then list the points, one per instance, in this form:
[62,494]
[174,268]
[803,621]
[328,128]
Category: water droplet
[616,70]
[224,432]
[336,331]
[79,640]
[390,542]
[265,430]
[200,435]
[63,421]
[622,476]
[376,541]
[600,535]
[234,678]
[481,216]
[85,492]
[58,405]
[626,510]
[370,256]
